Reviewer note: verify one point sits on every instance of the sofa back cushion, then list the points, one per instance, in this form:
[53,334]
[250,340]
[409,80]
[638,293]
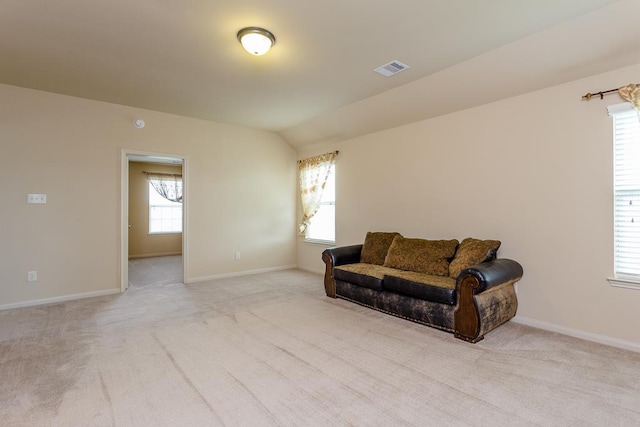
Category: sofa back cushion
[375,248]
[472,251]
[420,255]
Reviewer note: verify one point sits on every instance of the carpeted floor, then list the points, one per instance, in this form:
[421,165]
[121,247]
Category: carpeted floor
[153,271]
[271,349]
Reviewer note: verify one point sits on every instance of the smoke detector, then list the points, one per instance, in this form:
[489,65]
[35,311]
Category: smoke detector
[392,68]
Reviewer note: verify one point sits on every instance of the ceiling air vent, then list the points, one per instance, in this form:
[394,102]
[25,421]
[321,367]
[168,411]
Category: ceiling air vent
[393,67]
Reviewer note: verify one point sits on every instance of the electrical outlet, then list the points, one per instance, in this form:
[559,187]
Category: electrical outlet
[237,255]
[32,276]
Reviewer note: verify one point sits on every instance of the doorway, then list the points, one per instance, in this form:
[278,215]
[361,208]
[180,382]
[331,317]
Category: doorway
[134,157]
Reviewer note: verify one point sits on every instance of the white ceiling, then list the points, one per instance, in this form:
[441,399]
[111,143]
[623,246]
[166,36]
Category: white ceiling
[317,84]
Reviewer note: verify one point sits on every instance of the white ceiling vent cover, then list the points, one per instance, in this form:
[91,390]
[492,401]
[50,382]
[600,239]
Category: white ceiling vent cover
[393,67]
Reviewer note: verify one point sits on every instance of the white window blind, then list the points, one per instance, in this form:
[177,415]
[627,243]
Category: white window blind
[626,191]
[322,226]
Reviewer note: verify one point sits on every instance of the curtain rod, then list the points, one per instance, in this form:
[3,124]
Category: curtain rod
[601,94]
[162,174]
[325,154]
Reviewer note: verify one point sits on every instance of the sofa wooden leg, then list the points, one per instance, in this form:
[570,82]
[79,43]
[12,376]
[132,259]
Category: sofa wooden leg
[329,281]
[467,339]
[466,317]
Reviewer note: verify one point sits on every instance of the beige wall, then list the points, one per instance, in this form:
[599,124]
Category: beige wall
[534,171]
[141,243]
[241,183]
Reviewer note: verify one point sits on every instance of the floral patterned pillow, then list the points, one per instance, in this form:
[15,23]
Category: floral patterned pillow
[375,248]
[420,255]
[472,251]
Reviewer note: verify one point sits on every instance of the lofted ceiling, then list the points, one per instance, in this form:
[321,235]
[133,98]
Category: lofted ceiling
[317,84]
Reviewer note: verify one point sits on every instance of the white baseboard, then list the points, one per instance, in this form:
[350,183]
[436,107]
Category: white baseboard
[63,298]
[576,333]
[239,273]
[311,270]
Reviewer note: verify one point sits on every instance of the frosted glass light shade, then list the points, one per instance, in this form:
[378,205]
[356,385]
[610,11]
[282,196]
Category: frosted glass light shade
[256,41]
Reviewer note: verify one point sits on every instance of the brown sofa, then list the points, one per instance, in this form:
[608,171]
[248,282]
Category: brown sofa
[457,287]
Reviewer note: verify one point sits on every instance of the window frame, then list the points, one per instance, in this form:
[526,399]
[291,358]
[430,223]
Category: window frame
[170,204]
[625,276]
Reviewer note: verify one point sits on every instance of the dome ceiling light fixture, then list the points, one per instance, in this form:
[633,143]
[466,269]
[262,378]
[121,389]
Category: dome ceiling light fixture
[257,41]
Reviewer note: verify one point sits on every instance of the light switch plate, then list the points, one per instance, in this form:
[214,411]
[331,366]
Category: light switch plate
[36,198]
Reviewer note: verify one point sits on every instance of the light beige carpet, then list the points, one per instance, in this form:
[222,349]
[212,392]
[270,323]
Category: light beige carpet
[163,270]
[271,349]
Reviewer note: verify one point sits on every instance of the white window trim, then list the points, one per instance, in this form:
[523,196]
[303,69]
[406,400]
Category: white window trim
[319,242]
[619,282]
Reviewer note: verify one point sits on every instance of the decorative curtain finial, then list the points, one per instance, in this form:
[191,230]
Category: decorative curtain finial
[630,93]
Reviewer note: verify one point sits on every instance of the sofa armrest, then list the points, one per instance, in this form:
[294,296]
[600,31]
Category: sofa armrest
[335,256]
[343,254]
[486,298]
[490,274]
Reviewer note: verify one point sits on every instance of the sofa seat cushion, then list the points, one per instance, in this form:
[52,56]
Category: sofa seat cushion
[423,286]
[362,274]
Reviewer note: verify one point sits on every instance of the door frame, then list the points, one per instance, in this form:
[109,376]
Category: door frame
[126,155]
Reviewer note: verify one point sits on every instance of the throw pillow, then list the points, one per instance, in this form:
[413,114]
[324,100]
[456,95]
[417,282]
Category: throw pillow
[375,248]
[472,251]
[420,255]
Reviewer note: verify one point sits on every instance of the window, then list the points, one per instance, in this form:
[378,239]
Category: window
[318,197]
[322,225]
[626,220]
[165,216]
